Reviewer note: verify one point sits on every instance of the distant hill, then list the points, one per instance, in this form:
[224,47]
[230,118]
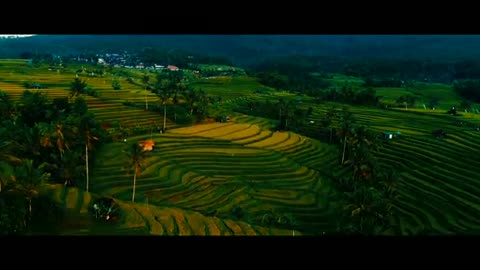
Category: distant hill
[246,49]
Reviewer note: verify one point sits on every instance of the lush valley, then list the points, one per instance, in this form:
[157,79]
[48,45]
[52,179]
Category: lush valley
[279,148]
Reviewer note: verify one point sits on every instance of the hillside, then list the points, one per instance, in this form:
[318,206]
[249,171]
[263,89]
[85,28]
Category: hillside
[248,49]
[246,176]
[143,219]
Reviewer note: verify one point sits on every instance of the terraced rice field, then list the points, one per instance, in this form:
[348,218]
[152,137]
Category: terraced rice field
[213,168]
[208,170]
[108,107]
[143,219]
[439,179]
[229,87]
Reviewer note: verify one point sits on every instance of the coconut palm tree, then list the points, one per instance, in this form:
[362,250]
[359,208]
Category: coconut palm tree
[179,90]
[77,87]
[366,211]
[70,168]
[86,125]
[163,90]
[145,81]
[6,174]
[362,143]
[191,97]
[286,112]
[327,122]
[53,132]
[347,121]
[136,162]
[27,179]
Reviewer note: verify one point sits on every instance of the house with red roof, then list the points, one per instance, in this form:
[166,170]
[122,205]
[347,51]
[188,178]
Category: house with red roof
[172,68]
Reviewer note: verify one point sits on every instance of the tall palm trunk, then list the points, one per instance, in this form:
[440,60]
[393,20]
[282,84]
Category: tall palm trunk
[134,185]
[86,161]
[344,147]
[26,221]
[164,116]
[146,99]
[29,208]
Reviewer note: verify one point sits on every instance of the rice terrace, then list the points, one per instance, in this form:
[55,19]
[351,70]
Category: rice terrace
[150,140]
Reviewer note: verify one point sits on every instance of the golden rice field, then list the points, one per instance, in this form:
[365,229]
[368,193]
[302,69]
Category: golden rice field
[205,169]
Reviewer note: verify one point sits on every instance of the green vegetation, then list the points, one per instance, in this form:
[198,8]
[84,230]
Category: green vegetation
[284,149]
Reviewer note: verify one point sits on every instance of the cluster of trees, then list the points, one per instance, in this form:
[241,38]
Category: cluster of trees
[348,95]
[468,89]
[393,71]
[172,89]
[288,114]
[298,74]
[391,82]
[292,81]
[181,58]
[367,189]
[80,87]
[377,72]
[41,142]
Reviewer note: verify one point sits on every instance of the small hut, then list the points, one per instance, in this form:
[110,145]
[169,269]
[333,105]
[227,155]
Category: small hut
[147,145]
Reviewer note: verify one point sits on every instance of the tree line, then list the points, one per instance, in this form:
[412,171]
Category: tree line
[42,141]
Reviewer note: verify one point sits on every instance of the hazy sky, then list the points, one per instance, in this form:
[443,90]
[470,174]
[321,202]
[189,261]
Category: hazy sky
[9,35]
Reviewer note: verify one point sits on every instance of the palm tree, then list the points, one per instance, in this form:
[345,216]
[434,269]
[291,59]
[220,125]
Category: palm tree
[202,104]
[55,132]
[28,179]
[70,168]
[281,111]
[6,175]
[77,87]
[145,81]
[366,211]
[7,147]
[136,163]
[289,111]
[330,115]
[176,91]
[389,182]
[362,143]
[164,91]
[347,121]
[191,97]
[86,124]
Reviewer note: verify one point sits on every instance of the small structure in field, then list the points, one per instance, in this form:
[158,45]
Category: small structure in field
[172,68]
[147,145]
[387,135]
